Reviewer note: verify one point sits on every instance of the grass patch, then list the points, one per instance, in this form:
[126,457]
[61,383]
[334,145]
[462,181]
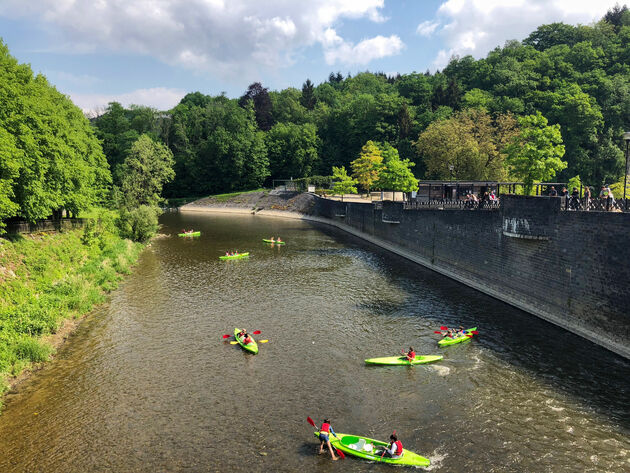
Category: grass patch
[231,195]
[46,278]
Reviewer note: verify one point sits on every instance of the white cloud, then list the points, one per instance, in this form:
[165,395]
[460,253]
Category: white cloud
[228,38]
[477,26]
[161,98]
[427,28]
[365,51]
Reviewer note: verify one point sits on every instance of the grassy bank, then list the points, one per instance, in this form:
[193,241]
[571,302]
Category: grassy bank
[46,278]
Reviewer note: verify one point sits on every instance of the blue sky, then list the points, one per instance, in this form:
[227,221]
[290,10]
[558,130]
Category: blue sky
[152,52]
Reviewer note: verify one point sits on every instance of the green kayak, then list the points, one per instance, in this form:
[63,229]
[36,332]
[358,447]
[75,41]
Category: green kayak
[462,338]
[274,241]
[402,360]
[189,234]
[240,255]
[250,347]
[371,449]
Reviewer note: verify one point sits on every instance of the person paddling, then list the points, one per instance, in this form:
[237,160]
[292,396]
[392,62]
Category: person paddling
[411,354]
[278,240]
[449,333]
[395,448]
[324,431]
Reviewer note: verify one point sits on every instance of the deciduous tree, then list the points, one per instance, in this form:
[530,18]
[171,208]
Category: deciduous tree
[535,154]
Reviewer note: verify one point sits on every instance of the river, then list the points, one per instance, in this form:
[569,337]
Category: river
[147,384]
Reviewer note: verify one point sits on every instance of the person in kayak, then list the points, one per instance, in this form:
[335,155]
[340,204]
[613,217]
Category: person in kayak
[278,240]
[247,339]
[449,334]
[272,240]
[395,448]
[411,354]
[324,431]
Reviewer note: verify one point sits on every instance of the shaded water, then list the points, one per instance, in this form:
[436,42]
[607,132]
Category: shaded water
[148,385]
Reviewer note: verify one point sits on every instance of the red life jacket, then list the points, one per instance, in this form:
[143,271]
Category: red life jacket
[399,449]
[411,355]
[325,428]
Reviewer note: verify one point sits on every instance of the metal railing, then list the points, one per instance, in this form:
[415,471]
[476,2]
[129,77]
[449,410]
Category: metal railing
[452,204]
[596,205]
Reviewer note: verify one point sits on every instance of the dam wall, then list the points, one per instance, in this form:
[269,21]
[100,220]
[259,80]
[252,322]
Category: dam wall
[571,268]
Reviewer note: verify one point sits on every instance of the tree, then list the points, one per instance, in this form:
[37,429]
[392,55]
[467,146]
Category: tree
[259,95]
[396,176]
[10,157]
[535,153]
[50,158]
[287,107]
[292,150]
[343,184]
[145,171]
[470,145]
[366,167]
[308,99]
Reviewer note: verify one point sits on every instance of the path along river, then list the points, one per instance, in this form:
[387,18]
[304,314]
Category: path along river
[148,385]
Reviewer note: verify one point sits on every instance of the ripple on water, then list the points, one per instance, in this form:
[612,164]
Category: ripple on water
[149,385]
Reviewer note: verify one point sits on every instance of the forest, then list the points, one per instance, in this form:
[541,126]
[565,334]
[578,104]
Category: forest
[565,88]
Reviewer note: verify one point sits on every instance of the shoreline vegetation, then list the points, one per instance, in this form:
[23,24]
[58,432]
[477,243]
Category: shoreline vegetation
[50,281]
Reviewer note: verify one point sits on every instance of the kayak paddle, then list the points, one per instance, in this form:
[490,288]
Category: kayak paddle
[443,328]
[255,332]
[339,452]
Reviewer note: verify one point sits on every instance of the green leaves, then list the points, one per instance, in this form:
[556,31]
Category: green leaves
[145,171]
[535,153]
[343,184]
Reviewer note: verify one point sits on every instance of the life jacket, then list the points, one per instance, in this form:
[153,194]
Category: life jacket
[399,448]
[412,355]
[325,428]
[247,340]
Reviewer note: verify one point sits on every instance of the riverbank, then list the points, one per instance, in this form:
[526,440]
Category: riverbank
[48,283]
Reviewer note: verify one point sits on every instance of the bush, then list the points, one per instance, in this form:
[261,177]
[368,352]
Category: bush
[139,224]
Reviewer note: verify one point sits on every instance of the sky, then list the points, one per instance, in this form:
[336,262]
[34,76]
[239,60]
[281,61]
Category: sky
[153,52]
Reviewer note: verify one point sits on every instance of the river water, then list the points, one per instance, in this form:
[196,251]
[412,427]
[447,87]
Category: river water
[148,385]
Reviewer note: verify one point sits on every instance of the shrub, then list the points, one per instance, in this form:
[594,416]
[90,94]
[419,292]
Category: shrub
[139,224]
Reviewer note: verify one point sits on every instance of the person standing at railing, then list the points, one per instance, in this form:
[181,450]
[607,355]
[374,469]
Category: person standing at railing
[575,199]
[607,197]
[587,198]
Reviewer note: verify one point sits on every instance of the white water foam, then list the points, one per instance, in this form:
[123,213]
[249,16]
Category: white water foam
[442,370]
[436,458]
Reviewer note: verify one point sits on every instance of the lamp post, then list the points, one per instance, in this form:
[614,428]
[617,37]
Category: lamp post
[626,137]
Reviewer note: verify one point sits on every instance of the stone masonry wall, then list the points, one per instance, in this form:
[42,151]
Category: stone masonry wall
[570,268]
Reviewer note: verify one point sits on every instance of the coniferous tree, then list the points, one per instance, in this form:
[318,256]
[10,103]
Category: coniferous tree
[308,99]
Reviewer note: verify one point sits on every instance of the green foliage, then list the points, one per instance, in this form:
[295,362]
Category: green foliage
[342,183]
[366,168]
[470,145]
[50,157]
[397,176]
[146,169]
[139,224]
[536,152]
[292,150]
